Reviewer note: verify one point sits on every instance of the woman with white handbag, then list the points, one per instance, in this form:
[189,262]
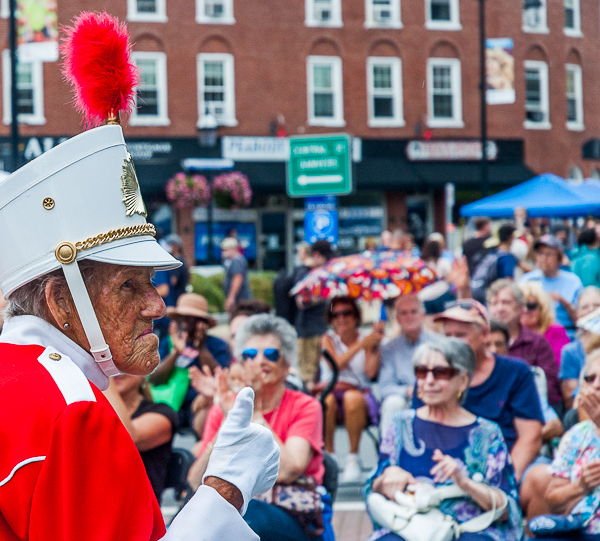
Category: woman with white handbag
[443,473]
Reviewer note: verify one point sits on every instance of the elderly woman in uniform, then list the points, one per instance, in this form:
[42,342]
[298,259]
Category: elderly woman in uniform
[76,267]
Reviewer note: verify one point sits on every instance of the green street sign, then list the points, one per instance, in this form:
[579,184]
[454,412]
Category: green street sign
[319,165]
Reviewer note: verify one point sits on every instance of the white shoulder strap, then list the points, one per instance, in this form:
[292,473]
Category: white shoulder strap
[485,520]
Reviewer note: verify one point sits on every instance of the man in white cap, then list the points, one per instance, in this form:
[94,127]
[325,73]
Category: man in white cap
[76,267]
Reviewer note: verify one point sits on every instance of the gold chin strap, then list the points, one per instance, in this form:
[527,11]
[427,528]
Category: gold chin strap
[66,252]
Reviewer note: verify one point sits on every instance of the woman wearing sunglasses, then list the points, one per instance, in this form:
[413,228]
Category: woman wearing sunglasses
[575,487]
[266,345]
[442,443]
[539,316]
[356,354]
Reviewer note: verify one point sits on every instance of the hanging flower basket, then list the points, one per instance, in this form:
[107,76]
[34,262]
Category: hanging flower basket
[188,191]
[231,190]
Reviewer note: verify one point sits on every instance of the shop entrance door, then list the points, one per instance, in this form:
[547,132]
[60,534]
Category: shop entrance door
[273,236]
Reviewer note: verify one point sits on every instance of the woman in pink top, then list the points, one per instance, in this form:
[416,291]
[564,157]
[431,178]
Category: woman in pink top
[266,345]
[539,316]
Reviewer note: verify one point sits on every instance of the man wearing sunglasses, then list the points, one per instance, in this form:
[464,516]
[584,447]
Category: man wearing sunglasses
[501,389]
[506,303]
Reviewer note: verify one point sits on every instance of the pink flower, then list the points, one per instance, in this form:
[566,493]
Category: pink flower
[188,191]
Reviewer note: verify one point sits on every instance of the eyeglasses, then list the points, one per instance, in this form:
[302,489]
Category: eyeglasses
[531,306]
[272,354]
[590,378]
[439,372]
[344,313]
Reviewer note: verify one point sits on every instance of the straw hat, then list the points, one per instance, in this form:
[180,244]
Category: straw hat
[191,304]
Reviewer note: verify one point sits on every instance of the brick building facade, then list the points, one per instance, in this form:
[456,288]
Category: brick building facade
[388,72]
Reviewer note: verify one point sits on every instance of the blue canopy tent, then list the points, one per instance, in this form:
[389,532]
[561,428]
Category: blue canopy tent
[543,196]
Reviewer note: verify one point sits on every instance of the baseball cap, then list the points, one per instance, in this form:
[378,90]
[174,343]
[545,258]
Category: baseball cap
[550,241]
[466,311]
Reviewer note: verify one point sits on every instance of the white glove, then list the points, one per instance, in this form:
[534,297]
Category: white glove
[245,454]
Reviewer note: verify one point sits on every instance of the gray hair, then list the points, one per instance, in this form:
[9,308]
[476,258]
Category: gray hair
[264,324]
[505,283]
[586,291]
[30,298]
[457,354]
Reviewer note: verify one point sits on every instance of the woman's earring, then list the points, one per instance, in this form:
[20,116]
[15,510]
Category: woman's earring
[419,393]
[459,395]
[66,326]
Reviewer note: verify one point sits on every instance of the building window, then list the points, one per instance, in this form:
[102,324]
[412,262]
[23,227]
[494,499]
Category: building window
[576,175]
[534,16]
[442,15]
[537,105]
[216,89]
[574,97]
[30,91]
[384,84]
[325,91]
[572,18]
[323,12]
[382,14]
[214,12]
[151,95]
[147,11]
[444,93]
[4,9]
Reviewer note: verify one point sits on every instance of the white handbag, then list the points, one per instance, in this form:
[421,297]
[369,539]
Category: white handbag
[416,517]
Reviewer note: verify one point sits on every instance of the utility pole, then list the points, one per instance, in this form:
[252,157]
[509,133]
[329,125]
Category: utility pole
[14,123]
[482,93]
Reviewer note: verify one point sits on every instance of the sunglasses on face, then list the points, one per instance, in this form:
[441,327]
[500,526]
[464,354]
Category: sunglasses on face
[439,372]
[531,306]
[590,378]
[345,313]
[272,354]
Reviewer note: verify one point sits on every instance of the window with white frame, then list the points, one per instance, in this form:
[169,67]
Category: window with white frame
[444,93]
[30,91]
[216,89]
[214,12]
[574,97]
[151,96]
[534,16]
[325,91]
[442,15]
[147,10]
[572,18]
[4,9]
[323,12]
[384,87]
[382,14]
[537,103]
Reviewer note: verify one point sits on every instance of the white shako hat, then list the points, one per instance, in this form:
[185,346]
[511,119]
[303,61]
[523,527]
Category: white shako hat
[80,200]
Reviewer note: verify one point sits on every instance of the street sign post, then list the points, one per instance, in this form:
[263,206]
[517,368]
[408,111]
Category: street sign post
[319,165]
[321,219]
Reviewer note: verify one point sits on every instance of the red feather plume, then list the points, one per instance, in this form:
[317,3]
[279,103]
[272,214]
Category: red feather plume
[97,63]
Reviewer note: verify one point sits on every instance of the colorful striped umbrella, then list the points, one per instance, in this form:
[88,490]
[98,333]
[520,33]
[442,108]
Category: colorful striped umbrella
[370,275]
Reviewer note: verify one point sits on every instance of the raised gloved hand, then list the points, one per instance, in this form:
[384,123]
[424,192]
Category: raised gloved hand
[245,454]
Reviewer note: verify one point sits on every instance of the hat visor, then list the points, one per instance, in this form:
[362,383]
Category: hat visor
[139,252]
[173,312]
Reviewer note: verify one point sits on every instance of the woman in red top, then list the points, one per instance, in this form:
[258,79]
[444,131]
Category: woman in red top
[267,346]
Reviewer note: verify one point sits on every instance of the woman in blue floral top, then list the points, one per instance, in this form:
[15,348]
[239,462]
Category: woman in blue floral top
[441,443]
[575,487]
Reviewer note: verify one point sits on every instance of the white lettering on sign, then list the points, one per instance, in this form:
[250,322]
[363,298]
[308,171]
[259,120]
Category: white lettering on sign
[255,149]
[33,147]
[142,150]
[325,163]
[303,150]
[449,150]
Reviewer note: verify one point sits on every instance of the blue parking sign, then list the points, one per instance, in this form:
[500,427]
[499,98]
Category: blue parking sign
[321,224]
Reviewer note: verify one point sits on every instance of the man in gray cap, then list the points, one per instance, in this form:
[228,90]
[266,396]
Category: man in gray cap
[562,285]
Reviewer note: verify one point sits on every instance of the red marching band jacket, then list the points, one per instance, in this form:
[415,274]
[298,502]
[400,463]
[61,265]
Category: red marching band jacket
[68,468]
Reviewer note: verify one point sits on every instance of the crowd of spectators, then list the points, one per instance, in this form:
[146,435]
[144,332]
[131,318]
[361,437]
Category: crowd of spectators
[513,373]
